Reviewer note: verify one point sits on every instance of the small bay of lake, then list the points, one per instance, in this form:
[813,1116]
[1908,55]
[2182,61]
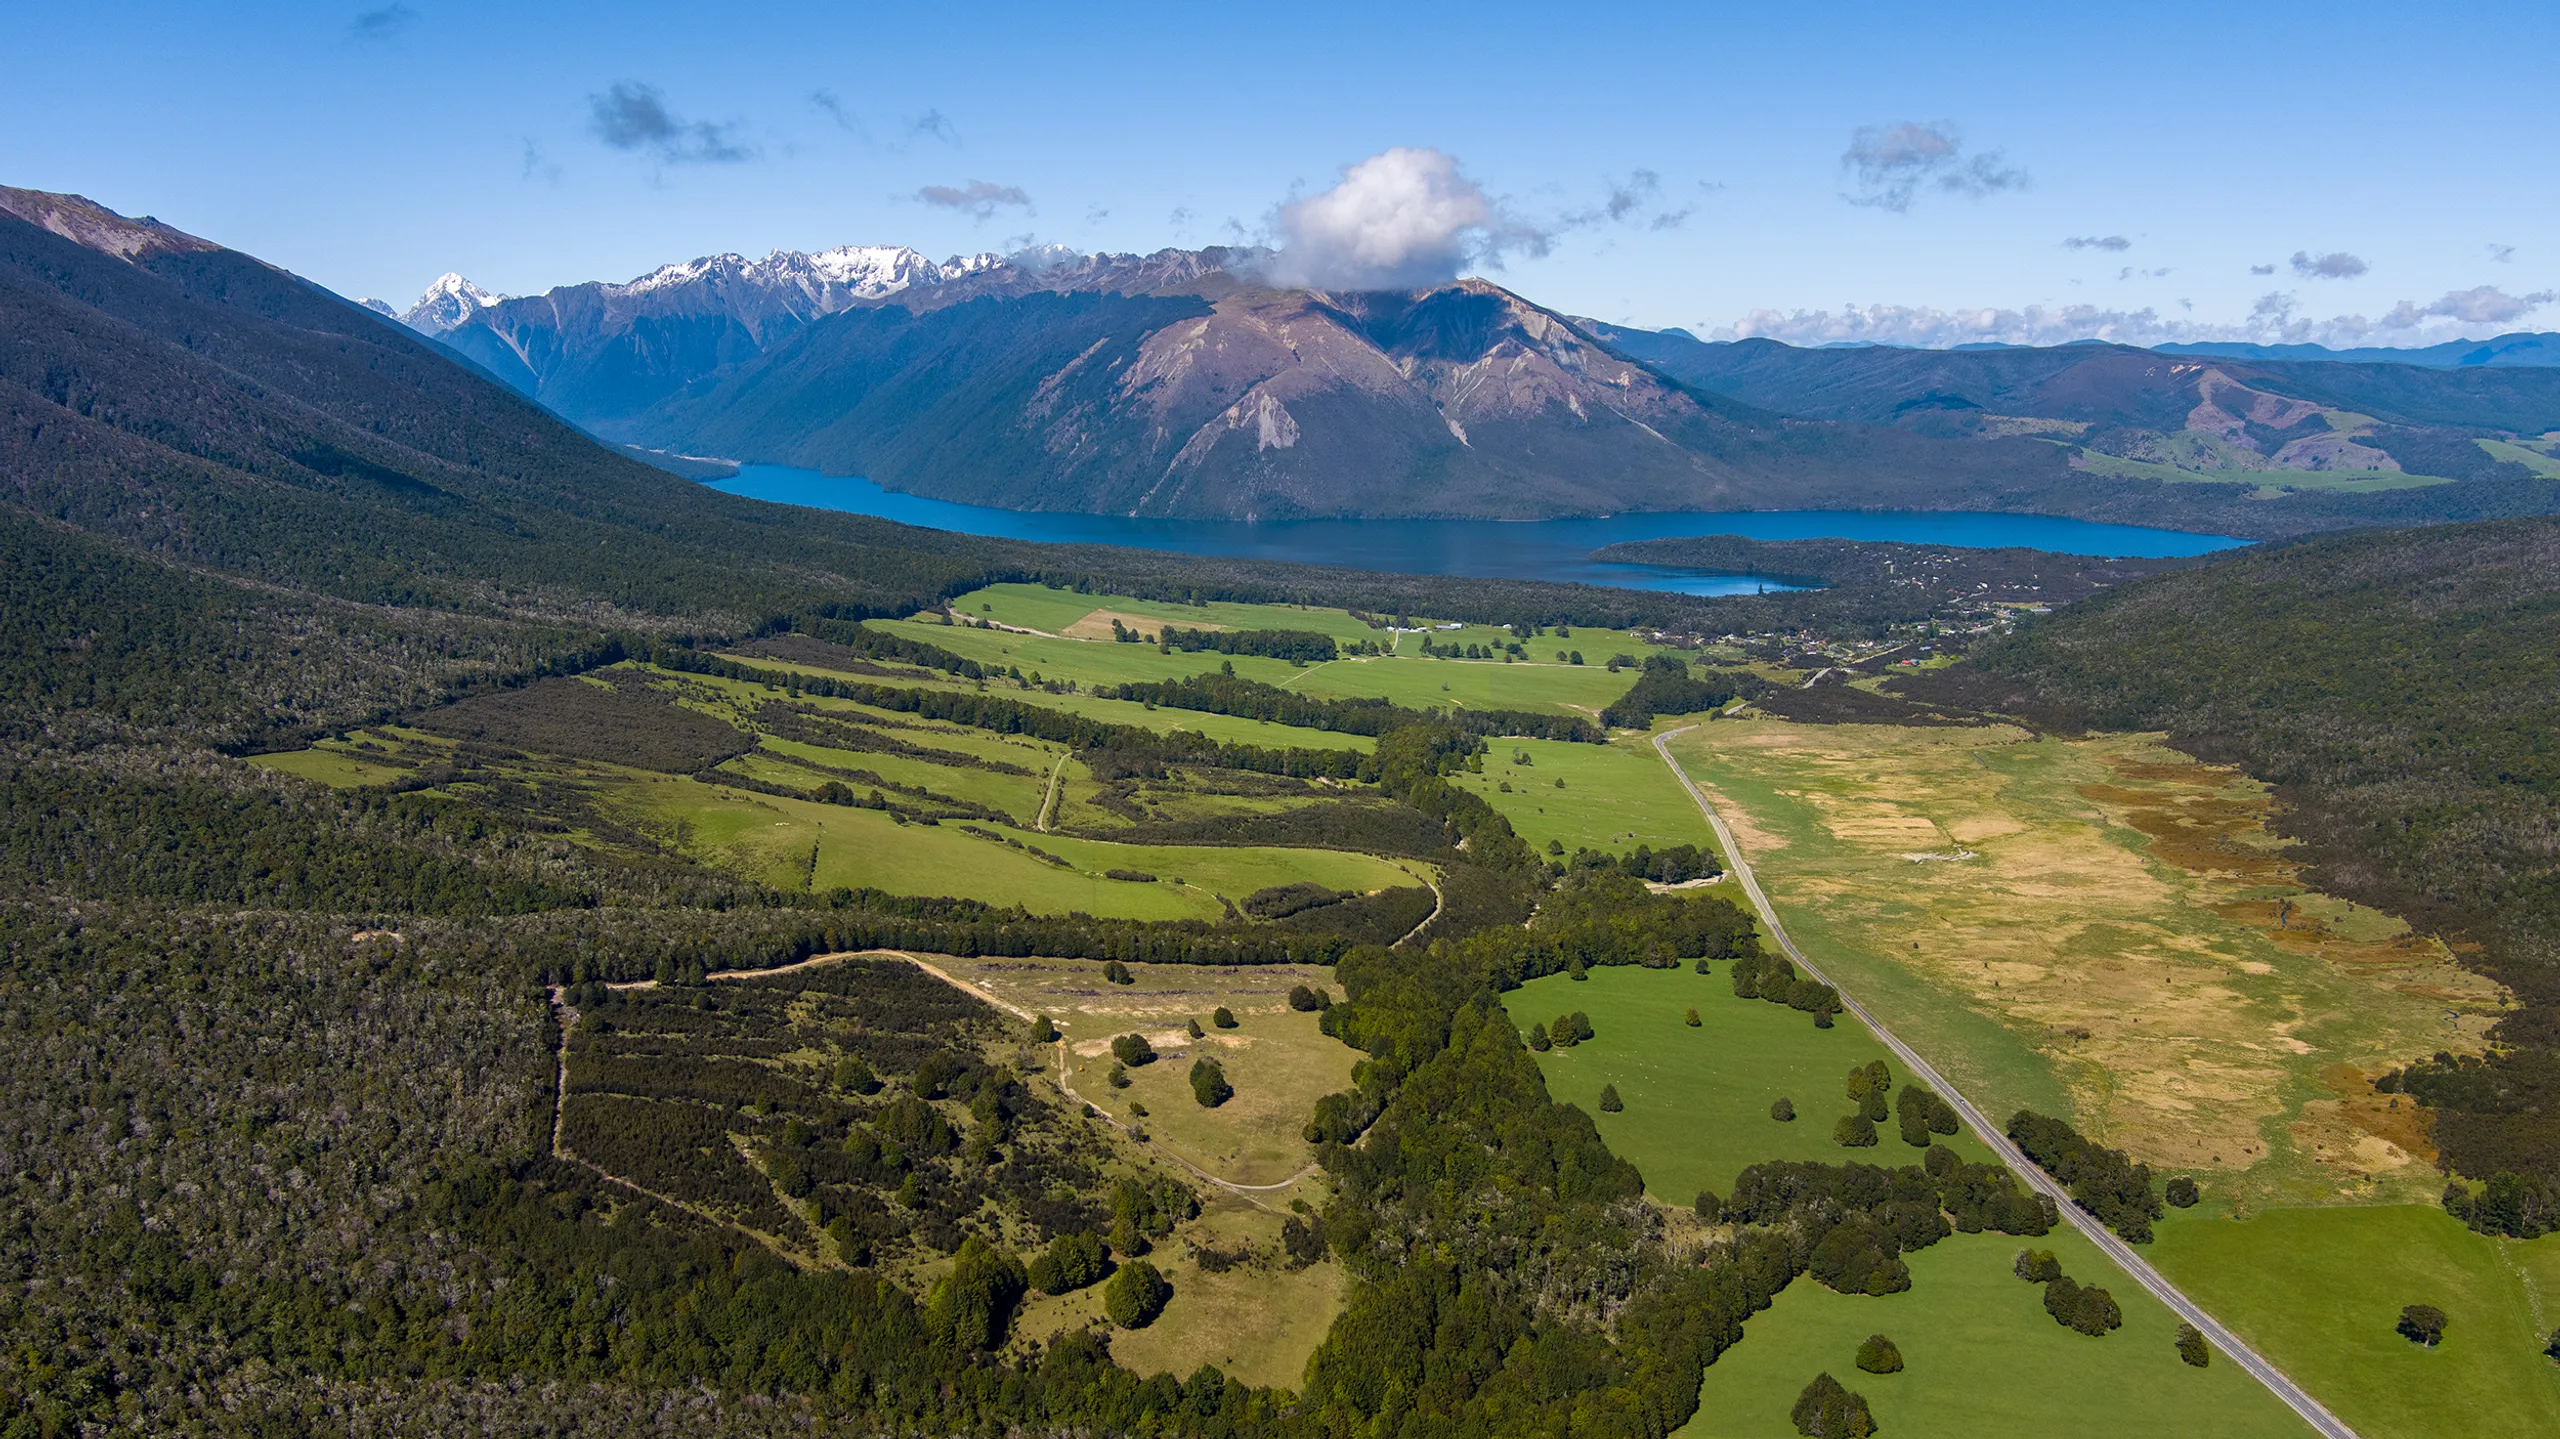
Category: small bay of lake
[1497,549]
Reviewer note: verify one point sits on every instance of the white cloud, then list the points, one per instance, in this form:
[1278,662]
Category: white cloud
[979,199]
[2461,314]
[1397,220]
[2097,242]
[1892,164]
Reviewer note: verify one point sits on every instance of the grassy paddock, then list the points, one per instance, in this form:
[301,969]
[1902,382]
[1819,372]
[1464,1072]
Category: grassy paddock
[2318,1291]
[2106,929]
[1615,796]
[1698,1099]
[1984,1361]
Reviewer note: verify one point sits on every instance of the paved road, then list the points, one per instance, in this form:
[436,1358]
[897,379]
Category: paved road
[1991,1134]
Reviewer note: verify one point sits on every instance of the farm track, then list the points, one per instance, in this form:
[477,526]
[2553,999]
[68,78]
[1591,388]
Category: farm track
[2108,1242]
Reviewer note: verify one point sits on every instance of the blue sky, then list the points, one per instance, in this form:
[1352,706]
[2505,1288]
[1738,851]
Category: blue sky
[2403,150]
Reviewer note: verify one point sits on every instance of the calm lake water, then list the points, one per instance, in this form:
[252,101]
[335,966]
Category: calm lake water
[1522,550]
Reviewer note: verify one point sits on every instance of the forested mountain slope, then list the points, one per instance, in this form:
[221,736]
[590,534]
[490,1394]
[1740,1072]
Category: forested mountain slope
[2398,689]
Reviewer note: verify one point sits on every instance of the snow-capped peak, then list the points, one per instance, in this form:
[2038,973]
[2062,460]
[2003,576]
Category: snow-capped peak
[448,302]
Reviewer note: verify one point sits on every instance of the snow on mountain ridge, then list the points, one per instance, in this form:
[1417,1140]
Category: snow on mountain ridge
[450,301]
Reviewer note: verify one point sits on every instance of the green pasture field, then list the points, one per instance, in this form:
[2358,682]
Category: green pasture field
[1088,662]
[1037,607]
[1017,795]
[2534,460]
[1225,728]
[1982,1359]
[2318,1290]
[332,763]
[2267,482]
[1615,796]
[1698,1099]
[1419,683]
[792,843]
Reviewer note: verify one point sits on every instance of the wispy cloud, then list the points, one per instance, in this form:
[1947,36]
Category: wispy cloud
[632,116]
[2274,319]
[2262,269]
[979,199]
[2097,242]
[2336,265]
[537,165]
[2503,254]
[1635,199]
[381,26]
[1890,166]
[834,109]
[933,125]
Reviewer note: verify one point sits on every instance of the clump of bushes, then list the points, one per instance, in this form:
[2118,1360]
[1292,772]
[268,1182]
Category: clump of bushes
[1691,1019]
[1828,1410]
[2192,1348]
[1922,1113]
[1854,1131]
[2106,1182]
[1570,1029]
[1114,972]
[1880,1355]
[1783,1111]
[1132,876]
[1136,1295]
[1071,1262]
[2181,1193]
[1223,1018]
[1868,1085]
[1133,1050]
[2090,1310]
[1309,999]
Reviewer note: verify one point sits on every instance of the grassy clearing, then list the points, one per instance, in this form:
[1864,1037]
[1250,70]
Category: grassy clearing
[1259,1321]
[331,763]
[1225,728]
[2318,1291]
[1615,796]
[2102,928]
[2534,460]
[1275,1057]
[1419,683]
[1037,607]
[1984,1361]
[795,844]
[1086,661]
[2267,483]
[1698,1099]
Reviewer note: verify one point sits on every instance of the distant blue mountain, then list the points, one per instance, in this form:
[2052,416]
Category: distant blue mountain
[2520,348]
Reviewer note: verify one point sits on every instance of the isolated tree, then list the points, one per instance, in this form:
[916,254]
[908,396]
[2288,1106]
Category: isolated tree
[2181,1192]
[1223,1018]
[1702,966]
[1114,972]
[2037,1266]
[2423,1323]
[1196,1031]
[1854,1131]
[1879,1355]
[1575,972]
[1691,1019]
[2192,1348]
[1826,1410]
[1133,1050]
[1209,1083]
[1538,1038]
[1783,1111]
[1043,1031]
[1610,1103]
[1135,1295]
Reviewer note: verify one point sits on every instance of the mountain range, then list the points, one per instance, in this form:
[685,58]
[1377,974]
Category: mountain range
[1182,383]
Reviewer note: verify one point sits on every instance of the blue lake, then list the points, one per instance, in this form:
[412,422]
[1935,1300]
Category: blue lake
[1523,550]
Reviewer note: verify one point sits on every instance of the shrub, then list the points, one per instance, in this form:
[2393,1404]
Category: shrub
[1610,1103]
[1538,1038]
[853,1074]
[2422,1323]
[1132,876]
[2037,1266]
[2181,1192]
[1879,1355]
[1783,1111]
[1826,1410]
[1044,1031]
[1114,972]
[2192,1348]
[1135,1295]
[2091,1311]
[1118,1078]
[1692,1019]
[1702,966]
[1710,1209]
[1209,1083]
[1854,1131]
[1223,1018]
[1570,1029]
[1576,973]
[1307,1000]
[1133,1050]
[1303,1240]
[1196,1031]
